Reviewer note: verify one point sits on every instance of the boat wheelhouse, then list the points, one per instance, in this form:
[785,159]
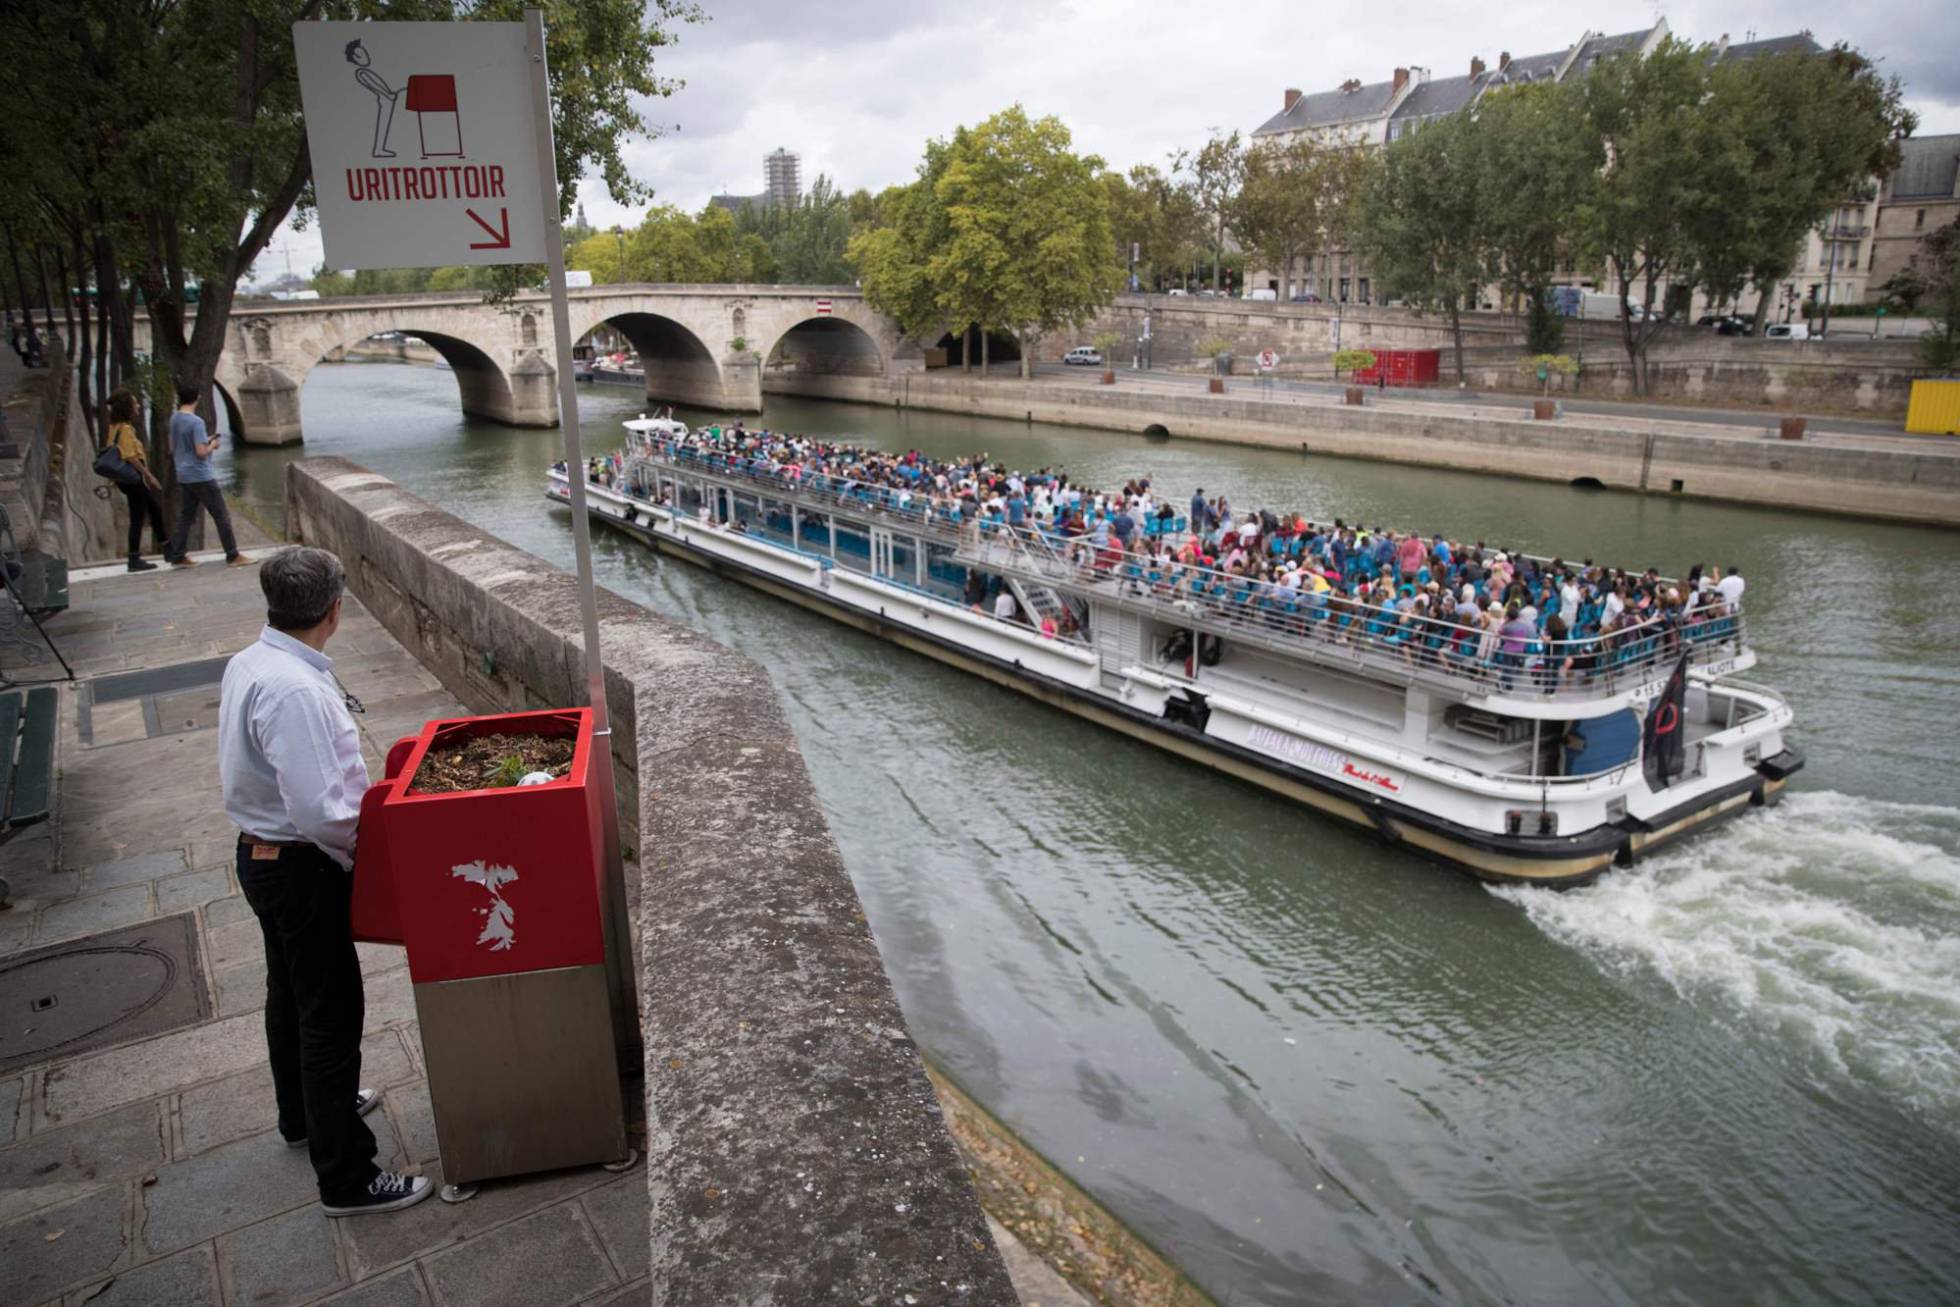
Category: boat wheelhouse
[1528,765]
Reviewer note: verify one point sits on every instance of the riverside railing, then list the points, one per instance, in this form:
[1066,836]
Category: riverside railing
[1328,626]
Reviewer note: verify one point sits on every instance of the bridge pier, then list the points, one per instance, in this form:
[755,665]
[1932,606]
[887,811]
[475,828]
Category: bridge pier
[268,407]
[733,387]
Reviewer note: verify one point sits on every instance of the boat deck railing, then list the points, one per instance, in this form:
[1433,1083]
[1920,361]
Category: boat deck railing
[1327,627]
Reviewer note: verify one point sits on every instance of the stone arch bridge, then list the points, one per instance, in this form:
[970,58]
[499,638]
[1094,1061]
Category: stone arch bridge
[704,346]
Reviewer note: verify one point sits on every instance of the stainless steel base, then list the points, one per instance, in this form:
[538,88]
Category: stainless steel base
[523,1073]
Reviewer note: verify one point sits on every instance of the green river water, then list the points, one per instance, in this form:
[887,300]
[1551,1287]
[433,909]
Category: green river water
[1310,1068]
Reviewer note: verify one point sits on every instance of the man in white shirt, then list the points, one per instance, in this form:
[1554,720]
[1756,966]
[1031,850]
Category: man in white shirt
[290,760]
[1730,588]
[1004,605]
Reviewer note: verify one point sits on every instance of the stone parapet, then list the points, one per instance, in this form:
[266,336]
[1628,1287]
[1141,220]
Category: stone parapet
[796,1151]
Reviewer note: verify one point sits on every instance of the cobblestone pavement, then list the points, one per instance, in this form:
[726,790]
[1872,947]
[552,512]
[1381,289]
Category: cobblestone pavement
[149,1172]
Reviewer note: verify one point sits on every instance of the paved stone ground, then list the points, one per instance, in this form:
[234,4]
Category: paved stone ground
[150,1172]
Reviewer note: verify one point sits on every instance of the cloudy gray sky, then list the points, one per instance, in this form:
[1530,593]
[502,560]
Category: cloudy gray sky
[857,86]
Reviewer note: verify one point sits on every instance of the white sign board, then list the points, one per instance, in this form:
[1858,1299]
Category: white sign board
[422,141]
[1268,360]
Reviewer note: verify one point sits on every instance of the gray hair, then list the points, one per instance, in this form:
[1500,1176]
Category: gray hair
[300,585]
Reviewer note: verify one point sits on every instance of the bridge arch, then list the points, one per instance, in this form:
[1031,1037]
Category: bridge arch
[826,345]
[519,396]
[681,366]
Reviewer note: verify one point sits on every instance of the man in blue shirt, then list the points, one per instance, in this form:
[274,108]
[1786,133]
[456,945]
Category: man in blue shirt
[191,448]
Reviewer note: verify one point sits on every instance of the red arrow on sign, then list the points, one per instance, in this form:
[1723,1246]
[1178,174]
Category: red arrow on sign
[499,240]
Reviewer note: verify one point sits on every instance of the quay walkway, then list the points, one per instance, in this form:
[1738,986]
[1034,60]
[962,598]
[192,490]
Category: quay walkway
[141,1165]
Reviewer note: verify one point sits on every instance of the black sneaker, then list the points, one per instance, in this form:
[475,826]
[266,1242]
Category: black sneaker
[365,1101]
[387,1192]
[138,565]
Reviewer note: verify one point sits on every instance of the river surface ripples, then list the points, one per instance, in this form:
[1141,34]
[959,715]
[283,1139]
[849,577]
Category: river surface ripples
[1313,1069]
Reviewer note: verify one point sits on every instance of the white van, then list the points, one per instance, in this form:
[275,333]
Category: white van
[1083,356]
[1787,331]
[1263,293]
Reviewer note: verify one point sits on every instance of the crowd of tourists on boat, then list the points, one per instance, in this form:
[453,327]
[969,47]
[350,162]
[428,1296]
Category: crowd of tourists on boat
[1466,606]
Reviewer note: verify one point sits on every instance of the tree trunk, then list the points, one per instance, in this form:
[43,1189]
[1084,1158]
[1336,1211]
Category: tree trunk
[966,350]
[1027,356]
[47,304]
[1456,337]
[984,353]
[85,384]
[1762,311]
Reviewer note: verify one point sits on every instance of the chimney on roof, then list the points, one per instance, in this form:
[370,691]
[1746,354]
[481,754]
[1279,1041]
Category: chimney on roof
[1292,98]
[1476,67]
[1401,80]
[1350,86]
[1503,60]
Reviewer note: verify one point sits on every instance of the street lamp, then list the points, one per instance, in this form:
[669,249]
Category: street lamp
[619,236]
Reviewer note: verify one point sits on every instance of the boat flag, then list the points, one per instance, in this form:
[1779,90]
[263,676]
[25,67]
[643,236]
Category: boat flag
[1663,737]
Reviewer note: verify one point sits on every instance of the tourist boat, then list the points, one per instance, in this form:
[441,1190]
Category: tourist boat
[1515,770]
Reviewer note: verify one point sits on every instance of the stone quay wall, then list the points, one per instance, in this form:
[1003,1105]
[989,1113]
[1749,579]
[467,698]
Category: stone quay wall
[796,1150]
[47,478]
[1917,481]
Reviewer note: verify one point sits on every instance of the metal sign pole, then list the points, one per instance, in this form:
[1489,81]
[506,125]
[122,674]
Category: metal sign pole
[618,946]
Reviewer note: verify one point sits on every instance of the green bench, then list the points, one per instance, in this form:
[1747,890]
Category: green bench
[26,756]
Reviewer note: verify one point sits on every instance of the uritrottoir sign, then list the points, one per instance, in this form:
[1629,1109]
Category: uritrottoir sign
[422,142]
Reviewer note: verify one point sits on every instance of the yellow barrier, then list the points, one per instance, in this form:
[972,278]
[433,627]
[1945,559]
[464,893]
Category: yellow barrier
[1934,409]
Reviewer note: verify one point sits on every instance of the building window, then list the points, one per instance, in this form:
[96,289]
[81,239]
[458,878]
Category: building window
[1344,290]
[1364,290]
[1919,220]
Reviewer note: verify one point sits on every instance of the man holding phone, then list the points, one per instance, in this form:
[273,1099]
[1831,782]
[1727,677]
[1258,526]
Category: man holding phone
[191,447]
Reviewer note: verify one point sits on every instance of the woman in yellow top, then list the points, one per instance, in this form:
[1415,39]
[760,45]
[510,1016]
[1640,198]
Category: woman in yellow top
[142,497]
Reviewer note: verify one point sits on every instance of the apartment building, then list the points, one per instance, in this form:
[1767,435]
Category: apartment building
[1373,114]
[1921,197]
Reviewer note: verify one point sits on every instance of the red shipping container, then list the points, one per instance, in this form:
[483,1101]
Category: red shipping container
[1402,367]
[485,882]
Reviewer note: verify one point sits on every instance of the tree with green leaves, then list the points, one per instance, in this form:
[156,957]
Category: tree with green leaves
[1005,230]
[1031,247]
[1938,262]
[1652,208]
[892,257]
[1798,135]
[1212,176]
[1276,213]
[1419,223]
[1151,211]
[1539,158]
[805,240]
[174,181]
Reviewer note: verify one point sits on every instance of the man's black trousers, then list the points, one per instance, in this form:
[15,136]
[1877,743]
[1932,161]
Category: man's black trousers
[313,1008]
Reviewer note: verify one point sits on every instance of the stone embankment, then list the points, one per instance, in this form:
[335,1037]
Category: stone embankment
[1850,373]
[1899,478]
[53,499]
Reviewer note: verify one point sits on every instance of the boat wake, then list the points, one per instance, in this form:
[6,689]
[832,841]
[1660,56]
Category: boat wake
[1831,921]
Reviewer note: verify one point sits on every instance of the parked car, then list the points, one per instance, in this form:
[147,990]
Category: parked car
[1787,331]
[1207,293]
[1177,290]
[1262,293]
[1727,324]
[1306,297]
[1084,356]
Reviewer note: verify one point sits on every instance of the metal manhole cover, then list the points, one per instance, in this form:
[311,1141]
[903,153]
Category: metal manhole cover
[100,990]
